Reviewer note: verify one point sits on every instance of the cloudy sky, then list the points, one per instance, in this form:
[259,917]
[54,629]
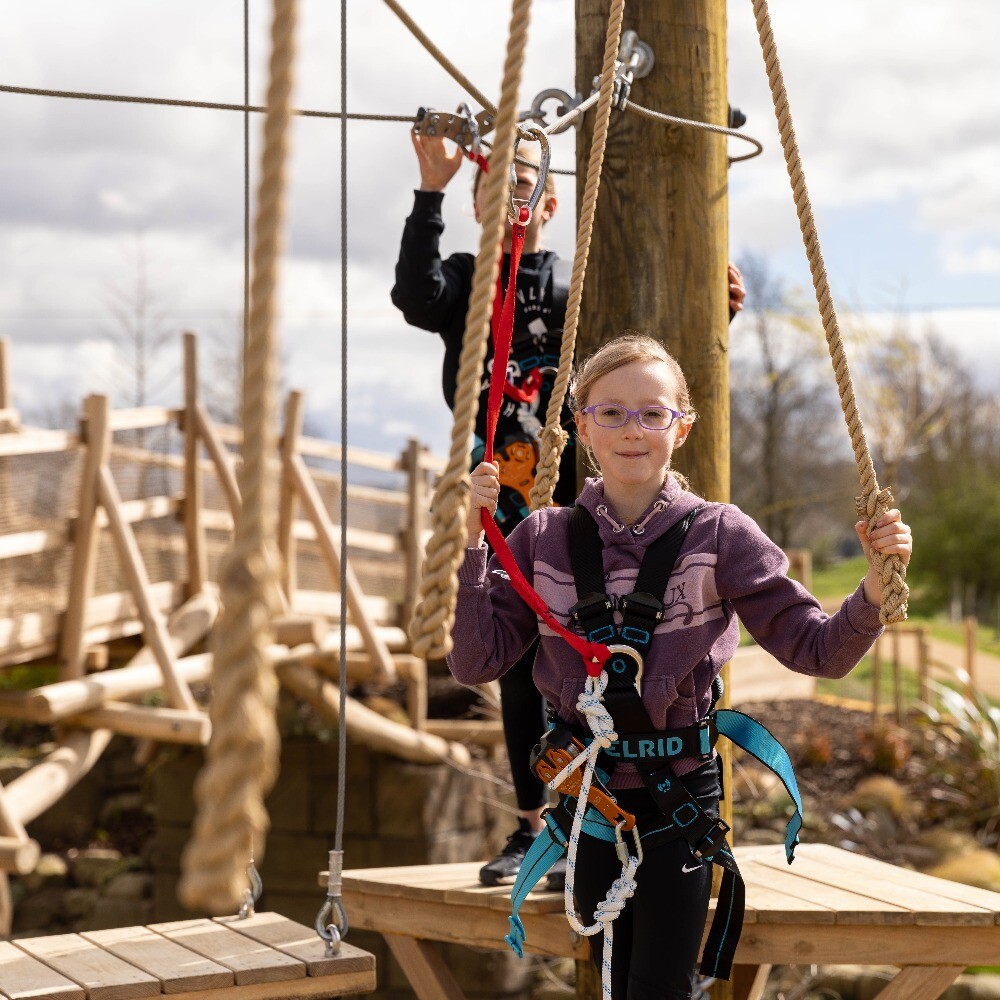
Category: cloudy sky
[896,113]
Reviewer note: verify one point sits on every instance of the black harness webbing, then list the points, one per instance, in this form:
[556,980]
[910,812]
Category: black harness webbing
[641,611]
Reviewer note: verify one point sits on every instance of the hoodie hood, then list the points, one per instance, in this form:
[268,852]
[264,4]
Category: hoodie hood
[670,505]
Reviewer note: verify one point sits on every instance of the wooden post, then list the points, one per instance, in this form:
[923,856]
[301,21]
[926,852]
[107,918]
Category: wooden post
[288,504]
[96,433]
[897,677]
[660,244]
[154,626]
[876,665]
[923,664]
[194,492]
[970,652]
[5,399]
[416,521]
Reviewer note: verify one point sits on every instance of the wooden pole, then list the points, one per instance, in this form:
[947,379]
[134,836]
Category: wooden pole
[416,521]
[660,245]
[194,491]
[970,653]
[923,658]
[5,399]
[288,504]
[96,431]
[897,675]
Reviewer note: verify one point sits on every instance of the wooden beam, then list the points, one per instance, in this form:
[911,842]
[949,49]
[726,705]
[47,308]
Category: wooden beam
[164,725]
[313,504]
[921,982]
[31,793]
[225,466]
[426,970]
[366,726]
[141,417]
[194,489]
[749,981]
[81,581]
[6,401]
[156,634]
[37,442]
[288,500]
[142,674]
[417,507]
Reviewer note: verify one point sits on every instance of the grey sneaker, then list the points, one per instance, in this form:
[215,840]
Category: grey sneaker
[507,863]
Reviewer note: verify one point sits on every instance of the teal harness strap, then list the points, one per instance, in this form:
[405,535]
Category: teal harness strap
[548,848]
[761,743]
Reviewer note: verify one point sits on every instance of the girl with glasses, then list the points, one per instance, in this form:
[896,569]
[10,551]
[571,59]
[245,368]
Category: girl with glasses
[632,409]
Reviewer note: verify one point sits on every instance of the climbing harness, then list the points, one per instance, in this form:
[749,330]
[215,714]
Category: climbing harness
[637,741]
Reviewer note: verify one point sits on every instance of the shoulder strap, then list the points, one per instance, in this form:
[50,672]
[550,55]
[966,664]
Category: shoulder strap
[586,553]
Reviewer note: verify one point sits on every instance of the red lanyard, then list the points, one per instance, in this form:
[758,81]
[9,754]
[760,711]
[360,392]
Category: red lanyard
[594,654]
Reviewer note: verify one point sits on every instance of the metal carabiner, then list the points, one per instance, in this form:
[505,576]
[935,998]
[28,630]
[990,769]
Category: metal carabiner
[332,934]
[635,655]
[621,849]
[515,205]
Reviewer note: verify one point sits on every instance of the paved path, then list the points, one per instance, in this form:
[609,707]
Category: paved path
[758,676]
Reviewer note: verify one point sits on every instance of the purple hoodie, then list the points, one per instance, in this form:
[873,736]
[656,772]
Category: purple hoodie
[727,567]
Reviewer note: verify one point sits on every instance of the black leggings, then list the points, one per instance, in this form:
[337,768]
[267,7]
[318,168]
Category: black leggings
[523,711]
[659,932]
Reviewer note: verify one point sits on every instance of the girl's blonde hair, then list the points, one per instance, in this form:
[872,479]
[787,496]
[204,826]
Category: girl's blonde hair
[626,349]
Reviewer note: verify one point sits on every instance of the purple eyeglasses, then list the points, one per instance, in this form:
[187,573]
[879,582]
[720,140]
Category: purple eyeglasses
[650,418]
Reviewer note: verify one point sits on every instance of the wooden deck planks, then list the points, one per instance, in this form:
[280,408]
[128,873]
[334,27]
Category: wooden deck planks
[25,978]
[926,907]
[800,889]
[863,867]
[248,960]
[301,943]
[177,968]
[102,975]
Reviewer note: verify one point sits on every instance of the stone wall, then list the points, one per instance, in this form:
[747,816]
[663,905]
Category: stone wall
[396,814]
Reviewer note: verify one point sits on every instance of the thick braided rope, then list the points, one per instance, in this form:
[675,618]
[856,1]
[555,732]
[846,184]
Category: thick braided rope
[590,704]
[430,630]
[242,758]
[874,501]
[554,437]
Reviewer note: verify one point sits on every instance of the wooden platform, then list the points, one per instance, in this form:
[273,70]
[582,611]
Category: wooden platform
[830,907]
[265,957]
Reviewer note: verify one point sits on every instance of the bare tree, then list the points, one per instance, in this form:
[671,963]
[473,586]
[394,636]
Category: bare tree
[140,330]
[787,458]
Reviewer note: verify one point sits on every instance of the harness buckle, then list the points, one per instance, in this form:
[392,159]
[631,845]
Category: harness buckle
[641,605]
[591,606]
[714,839]
[705,742]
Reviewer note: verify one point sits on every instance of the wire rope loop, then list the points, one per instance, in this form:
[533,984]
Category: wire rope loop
[251,895]
[534,133]
[332,933]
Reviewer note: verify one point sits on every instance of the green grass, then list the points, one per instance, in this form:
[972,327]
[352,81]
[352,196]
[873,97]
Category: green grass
[839,579]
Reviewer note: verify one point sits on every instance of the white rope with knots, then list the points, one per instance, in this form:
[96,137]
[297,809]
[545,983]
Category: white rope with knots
[590,704]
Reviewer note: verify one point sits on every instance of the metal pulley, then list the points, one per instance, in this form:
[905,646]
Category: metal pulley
[461,125]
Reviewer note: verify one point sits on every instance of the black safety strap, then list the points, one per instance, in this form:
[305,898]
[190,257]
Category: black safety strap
[705,835]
